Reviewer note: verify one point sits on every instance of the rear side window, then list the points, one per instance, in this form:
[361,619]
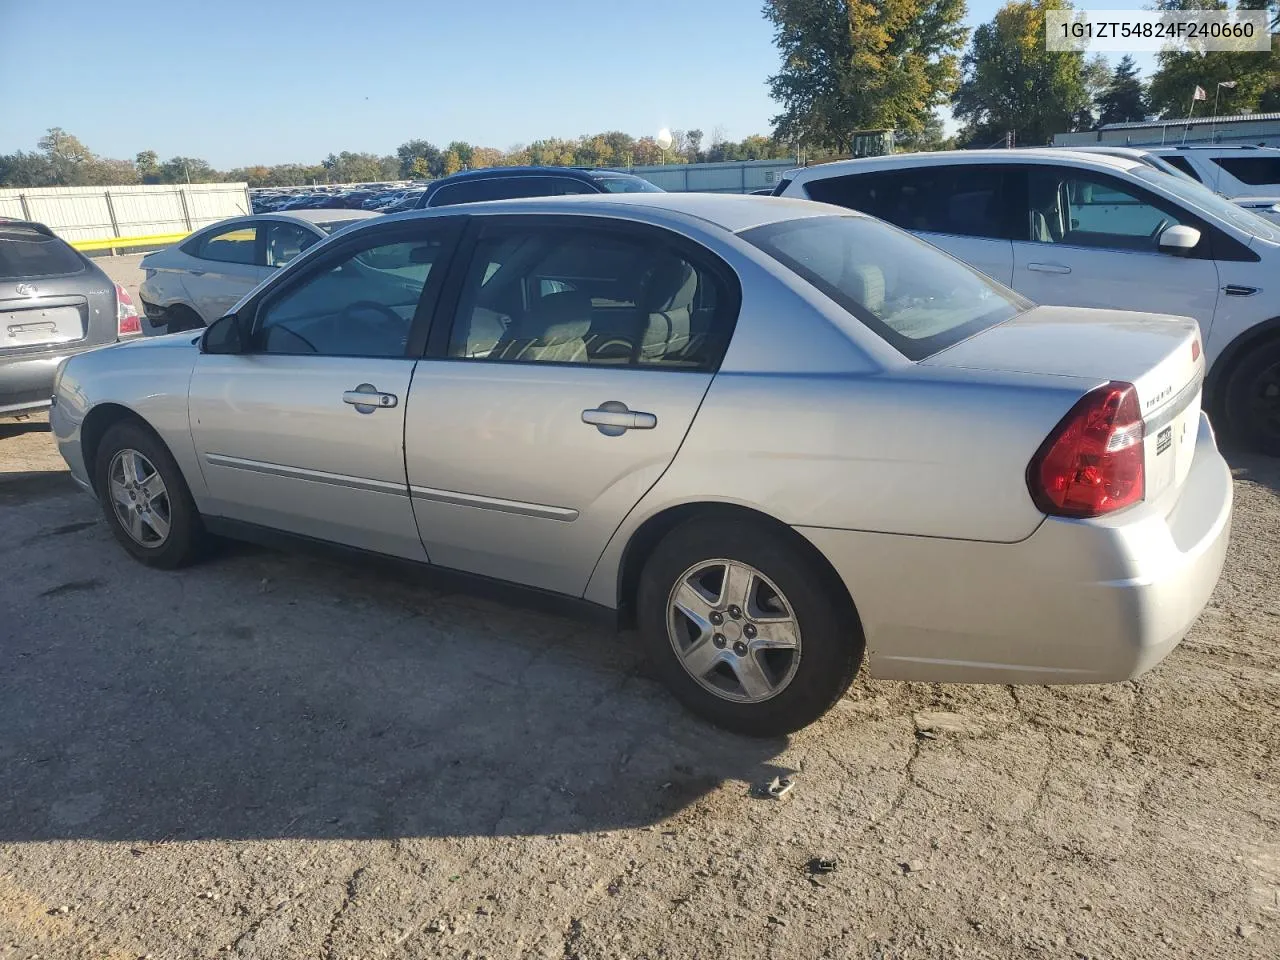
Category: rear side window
[506,188]
[25,252]
[781,188]
[913,296]
[627,185]
[236,244]
[1254,171]
[964,200]
[1183,164]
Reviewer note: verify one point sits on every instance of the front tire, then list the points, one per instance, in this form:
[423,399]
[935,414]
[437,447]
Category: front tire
[746,628]
[145,499]
[1253,399]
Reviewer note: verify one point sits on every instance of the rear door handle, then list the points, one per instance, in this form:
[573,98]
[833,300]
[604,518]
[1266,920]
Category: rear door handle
[613,419]
[1049,267]
[366,398]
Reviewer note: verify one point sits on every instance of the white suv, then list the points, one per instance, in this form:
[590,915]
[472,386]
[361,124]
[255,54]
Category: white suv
[1089,230]
[1230,171]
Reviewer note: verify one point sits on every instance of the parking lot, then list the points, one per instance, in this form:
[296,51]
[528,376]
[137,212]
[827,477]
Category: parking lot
[272,755]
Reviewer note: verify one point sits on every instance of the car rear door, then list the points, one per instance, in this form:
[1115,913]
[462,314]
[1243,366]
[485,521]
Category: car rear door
[224,264]
[284,433]
[558,389]
[1091,240]
[961,208]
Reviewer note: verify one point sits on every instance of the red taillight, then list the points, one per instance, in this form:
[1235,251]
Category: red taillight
[127,320]
[1092,462]
[1195,349]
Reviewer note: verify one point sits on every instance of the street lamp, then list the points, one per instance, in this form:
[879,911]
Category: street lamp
[1230,85]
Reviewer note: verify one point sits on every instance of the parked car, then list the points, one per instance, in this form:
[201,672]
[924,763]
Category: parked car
[507,183]
[196,281]
[54,303]
[1233,171]
[1087,230]
[775,434]
[407,201]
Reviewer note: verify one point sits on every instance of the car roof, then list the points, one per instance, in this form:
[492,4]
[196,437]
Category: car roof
[940,158]
[730,211]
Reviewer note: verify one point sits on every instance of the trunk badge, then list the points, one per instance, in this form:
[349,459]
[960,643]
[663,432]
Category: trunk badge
[26,290]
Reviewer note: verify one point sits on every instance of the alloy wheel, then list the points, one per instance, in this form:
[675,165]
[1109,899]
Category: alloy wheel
[139,498]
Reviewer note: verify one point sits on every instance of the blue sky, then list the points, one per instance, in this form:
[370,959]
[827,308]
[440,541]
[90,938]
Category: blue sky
[241,82]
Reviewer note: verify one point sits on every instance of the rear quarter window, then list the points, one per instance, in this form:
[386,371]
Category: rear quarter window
[25,252]
[1254,171]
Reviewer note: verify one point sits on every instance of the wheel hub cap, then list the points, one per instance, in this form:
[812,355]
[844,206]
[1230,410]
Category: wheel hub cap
[733,631]
[139,498]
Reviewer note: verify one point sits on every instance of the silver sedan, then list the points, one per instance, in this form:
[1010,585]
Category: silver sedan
[778,436]
[193,283]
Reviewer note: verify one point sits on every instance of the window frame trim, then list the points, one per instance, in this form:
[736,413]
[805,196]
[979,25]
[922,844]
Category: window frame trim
[196,242]
[251,314]
[702,257]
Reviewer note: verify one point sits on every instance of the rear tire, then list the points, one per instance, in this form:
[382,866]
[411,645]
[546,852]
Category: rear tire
[180,318]
[145,499]
[1252,398]
[732,661]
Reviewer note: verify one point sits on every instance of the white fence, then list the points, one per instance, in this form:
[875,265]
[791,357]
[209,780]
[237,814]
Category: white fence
[93,217]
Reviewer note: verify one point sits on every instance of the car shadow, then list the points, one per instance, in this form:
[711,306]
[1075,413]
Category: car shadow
[270,695]
[19,428]
[1255,467]
[28,485]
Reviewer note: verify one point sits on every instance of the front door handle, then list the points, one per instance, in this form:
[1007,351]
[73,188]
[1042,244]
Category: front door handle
[366,398]
[1049,267]
[613,419]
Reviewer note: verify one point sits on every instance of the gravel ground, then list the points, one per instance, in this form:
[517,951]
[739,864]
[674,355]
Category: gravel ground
[274,756]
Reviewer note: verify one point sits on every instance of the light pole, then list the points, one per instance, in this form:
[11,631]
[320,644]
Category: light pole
[1230,85]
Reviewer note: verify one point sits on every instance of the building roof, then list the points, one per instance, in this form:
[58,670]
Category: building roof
[1220,120]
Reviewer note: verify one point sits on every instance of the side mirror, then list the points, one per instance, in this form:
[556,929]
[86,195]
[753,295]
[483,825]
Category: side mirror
[1179,240]
[223,336]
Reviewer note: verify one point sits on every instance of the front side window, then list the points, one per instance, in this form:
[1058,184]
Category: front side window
[1197,195]
[962,199]
[589,296]
[1093,210]
[235,244]
[285,241]
[1253,170]
[1183,164]
[361,306]
[910,294]
[506,188]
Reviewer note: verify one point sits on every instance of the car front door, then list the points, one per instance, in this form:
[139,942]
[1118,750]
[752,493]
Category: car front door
[303,430]
[961,208]
[578,353]
[222,267]
[1092,240]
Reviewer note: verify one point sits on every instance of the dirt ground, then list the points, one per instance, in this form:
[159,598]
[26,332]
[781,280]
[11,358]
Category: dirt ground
[274,756]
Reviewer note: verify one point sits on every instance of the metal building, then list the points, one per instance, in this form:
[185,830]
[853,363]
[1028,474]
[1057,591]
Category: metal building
[1259,129]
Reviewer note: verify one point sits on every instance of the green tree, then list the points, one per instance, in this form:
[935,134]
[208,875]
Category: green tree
[1012,83]
[148,166]
[420,158]
[932,137]
[66,155]
[1125,99]
[693,140]
[21,169]
[452,162]
[851,65]
[1256,74]
[462,150]
[187,170]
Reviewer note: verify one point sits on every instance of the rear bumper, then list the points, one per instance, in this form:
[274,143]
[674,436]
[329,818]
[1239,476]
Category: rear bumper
[26,382]
[1090,601]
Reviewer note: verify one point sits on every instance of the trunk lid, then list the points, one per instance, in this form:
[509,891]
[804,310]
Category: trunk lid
[1160,355]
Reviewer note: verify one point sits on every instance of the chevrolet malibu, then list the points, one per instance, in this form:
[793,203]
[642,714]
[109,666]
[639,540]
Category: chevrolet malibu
[777,436]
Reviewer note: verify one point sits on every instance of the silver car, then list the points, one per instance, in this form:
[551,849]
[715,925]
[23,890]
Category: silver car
[777,435]
[193,283]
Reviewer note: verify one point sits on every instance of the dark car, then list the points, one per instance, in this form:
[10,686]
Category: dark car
[54,302]
[508,183]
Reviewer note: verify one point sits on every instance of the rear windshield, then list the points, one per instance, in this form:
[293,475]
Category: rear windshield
[29,253]
[627,185]
[912,295]
[328,226]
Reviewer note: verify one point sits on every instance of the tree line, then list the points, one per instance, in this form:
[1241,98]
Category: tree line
[847,66]
[853,65]
[61,159]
